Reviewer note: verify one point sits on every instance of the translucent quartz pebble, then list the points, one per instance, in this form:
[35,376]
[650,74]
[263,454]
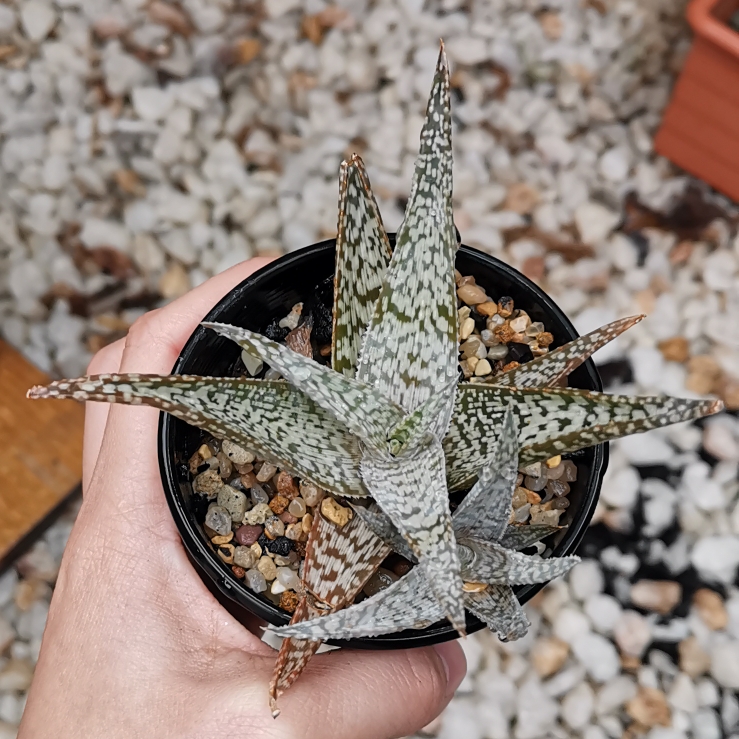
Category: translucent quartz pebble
[535,483]
[255,580]
[379,581]
[288,578]
[521,514]
[558,487]
[554,473]
[570,473]
[311,494]
[218,519]
[259,495]
[297,507]
[499,351]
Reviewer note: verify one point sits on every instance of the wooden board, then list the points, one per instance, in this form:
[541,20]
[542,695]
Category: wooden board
[40,451]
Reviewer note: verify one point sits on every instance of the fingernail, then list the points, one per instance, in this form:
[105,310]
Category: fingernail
[455,663]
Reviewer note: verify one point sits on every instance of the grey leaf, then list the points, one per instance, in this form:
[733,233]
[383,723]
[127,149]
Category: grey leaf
[551,421]
[273,419]
[362,256]
[498,607]
[383,527]
[410,348]
[486,509]
[407,604]
[520,537]
[412,491]
[552,368]
[361,408]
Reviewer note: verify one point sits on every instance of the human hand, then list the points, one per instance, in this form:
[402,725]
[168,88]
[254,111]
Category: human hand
[135,644]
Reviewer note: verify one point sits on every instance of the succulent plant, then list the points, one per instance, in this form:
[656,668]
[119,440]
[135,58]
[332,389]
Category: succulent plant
[390,420]
[488,549]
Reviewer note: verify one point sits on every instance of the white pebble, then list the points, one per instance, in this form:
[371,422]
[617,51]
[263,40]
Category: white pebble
[603,611]
[570,624]
[577,706]
[716,557]
[37,18]
[725,664]
[586,580]
[632,633]
[598,656]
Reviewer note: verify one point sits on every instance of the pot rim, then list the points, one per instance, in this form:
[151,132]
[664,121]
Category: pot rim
[232,592]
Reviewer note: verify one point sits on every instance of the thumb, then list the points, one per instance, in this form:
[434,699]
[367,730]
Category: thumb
[373,694]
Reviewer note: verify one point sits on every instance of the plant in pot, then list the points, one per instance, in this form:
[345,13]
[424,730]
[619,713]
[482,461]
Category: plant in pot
[698,130]
[336,470]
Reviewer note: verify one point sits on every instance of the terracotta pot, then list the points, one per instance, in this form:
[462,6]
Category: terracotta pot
[270,293]
[700,129]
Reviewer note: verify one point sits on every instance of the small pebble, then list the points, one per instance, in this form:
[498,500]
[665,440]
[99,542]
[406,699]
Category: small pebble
[520,497]
[255,580]
[245,557]
[505,306]
[224,465]
[289,601]
[218,519]
[237,454]
[483,368]
[472,294]
[258,515]
[466,328]
[238,571]
[286,485]
[208,483]
[273,527]
[279,503]
[288,518]
[548,655]
[307,522]
[558,488]
[234,501]
[294,531]
[266,472]
[311,494]
[335,513]
[246,535]
[258,494]
[536,483]
[379,581]
[226,553]
[660,596]
[288,578]
[711,609]
[520,324]
[297,507]
[267,567]
[497,352]
[487,309]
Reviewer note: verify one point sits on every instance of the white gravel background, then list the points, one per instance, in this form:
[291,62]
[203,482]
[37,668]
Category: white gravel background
[147,146]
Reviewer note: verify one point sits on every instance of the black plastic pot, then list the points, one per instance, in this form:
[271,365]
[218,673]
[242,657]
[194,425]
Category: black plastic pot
[269,294]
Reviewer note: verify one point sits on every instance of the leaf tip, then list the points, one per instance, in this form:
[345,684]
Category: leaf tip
[38,391]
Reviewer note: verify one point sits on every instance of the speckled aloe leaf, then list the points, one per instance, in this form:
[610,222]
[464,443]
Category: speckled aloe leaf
[412,491]
[432,417]
[271,418]
[489,562]
[358,406]
[410,348]
[340,560]
[338,563]
[383,528]
[498,607]
[486,508]
[550,369]
[551,421]
[362,256]
[407,604]
[520,537]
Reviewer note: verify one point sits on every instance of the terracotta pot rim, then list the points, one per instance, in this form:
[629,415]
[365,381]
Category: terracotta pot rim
[704,22]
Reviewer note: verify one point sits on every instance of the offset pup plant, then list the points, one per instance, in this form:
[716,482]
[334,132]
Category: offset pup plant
[389,422]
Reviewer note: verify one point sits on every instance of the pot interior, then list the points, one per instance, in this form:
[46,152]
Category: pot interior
[270,294]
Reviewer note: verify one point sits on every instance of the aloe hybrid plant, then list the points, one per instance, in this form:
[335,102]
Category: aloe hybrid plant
[389,421]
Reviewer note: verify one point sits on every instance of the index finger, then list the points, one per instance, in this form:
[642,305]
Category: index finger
[156,339]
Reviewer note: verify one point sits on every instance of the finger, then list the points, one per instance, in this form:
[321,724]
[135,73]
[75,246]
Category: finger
[373,694]
[156,339]
[107,360]
[152,346]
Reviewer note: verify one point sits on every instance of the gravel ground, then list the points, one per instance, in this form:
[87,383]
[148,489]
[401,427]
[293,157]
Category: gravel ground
[147,146]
